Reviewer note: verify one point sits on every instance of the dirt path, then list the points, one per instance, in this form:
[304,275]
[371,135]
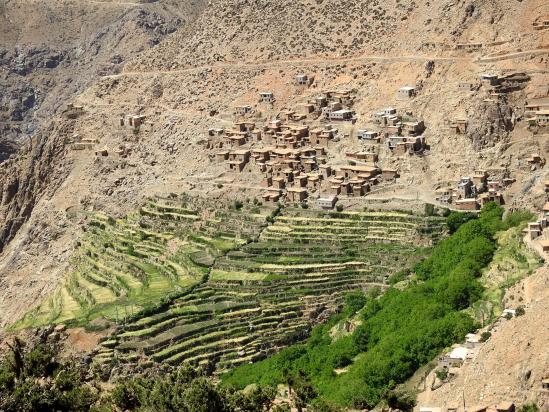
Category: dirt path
[297,62]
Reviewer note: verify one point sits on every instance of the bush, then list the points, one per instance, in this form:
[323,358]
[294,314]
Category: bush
[339,208]
[430,209]
[520,311]
[485,336]
[442,374]
[238,204]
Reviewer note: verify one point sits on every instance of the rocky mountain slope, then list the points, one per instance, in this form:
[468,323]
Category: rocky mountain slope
[192,79]
[50,51]
[513,362]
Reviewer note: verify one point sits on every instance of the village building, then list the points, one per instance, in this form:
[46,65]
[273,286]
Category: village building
[367,135]
[302,80]
[238,159]
[341,115]
[272,195]
[469,46]
[406,92]
[459,126]
[215,131]
[296,194]
[544,243]
[327,202]
[466,204]
[350,172]
[242,110]
[490,79]
[455,358]
[444,195]
[541,23]
[102,152]
[466,86]
[472,341]
[266,97]
[389,174]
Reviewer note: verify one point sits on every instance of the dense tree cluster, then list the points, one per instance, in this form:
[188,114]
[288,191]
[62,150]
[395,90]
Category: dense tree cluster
[34,379]
[400,330]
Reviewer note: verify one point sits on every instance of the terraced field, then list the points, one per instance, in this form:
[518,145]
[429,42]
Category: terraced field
[124,266]
[269,290]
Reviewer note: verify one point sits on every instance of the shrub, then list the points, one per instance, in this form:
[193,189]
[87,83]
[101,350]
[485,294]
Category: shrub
[520,311]
[238,204]
[430,209]
[339,208]
[485,336]
[442,374]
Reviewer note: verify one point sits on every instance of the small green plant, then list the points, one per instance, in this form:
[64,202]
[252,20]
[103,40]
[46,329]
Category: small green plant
[430,209]
[485,336]
[442,374]
[304,205]
[339,208]
[520,311]
[238,204]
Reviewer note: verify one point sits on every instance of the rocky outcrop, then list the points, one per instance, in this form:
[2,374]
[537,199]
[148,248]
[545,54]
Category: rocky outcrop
[37,169]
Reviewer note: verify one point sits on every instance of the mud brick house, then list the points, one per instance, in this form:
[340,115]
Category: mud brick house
[479,180]
[296,194]
[272,195]
[215,131]
[350,172]
[222,156]
[238,159]
[459,126]
[266,97]
[444,195]
[406,92]
[242,110]
[389,174]
[466,204]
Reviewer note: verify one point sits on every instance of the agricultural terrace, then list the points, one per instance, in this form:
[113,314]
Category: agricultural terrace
[289,270]
[124,266]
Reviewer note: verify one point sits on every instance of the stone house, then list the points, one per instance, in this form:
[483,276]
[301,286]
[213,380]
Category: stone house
[367,135]
[302,80]
[242,110]
[266,97]
[466,204]
[296,194]
[406,92]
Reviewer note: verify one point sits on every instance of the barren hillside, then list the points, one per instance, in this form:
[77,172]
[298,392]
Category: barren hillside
[514,361]
[52,50]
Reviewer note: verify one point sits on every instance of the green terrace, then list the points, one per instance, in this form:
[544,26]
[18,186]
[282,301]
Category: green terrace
[266,284]
[124,266]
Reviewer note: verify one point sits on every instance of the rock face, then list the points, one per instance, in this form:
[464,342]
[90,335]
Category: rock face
[37,169]
[50,51]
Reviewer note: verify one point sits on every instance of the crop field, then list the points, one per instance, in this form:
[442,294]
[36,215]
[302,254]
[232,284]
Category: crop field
[127,265]
[266,284]
[218,287]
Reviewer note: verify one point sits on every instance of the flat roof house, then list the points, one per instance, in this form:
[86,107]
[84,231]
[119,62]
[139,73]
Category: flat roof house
[327,202]
[406,92]
[266,97]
